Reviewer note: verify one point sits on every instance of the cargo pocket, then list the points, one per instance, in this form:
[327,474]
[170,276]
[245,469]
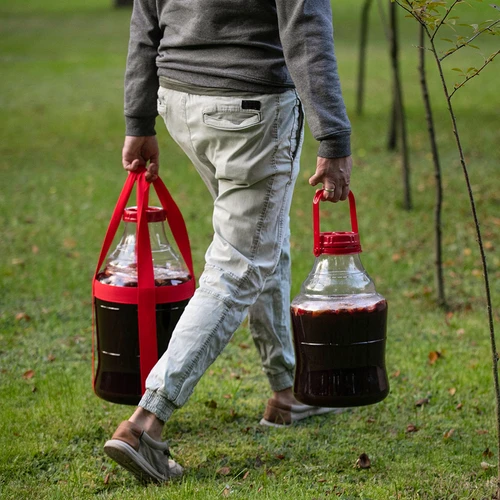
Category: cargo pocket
[231,117]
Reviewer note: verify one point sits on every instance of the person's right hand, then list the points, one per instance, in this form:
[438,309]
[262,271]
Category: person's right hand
[137,151]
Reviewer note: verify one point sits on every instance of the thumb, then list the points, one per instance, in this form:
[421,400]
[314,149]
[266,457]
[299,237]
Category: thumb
[315,179]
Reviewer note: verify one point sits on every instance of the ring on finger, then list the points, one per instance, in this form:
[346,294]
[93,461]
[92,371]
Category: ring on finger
[329,190]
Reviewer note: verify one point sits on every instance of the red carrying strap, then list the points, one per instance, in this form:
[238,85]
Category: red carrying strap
[146,302]
[146,293]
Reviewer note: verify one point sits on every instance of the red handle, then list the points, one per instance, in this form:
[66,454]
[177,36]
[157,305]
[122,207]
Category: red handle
[316,224]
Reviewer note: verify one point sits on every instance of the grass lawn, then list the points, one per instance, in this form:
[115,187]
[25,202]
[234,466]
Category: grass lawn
[61,89]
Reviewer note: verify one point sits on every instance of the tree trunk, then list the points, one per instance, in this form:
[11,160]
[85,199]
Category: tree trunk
[365,15]
[441,300]
[398,117]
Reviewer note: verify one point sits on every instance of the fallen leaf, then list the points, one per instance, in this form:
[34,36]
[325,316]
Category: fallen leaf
[27,375]
[35,249]
[467,251]
[411,428]
[280,457]
[232,413]
[22,315]
[396,374]
[247,473]
[363,462]
[489,245]
[106,479]
[224,471]
[452,391]
[244,346]
[448,434]
[460,332]
[370,420]
[434,356]
[322,480]
[487,453]
[396,257]
[260,489]
[227,396]
[477,272]
[235,376]
[481,431]
[51,358]
[211,404]
[226,491]
[17,262]
[422,402]
[459,406]
[486,465]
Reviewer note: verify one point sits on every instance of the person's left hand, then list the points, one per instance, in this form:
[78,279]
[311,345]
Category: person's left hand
[335,175]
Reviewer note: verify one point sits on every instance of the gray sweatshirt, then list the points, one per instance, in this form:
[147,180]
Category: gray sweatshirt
[257,46]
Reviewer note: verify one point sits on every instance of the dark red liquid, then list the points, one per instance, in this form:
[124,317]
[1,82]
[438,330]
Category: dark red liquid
[340,356]
[118,377]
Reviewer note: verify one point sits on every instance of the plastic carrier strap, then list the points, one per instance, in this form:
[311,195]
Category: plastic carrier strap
[146,303]
[316,224]
[145,287]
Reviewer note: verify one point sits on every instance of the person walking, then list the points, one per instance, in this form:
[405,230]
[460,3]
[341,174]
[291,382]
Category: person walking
[231,80]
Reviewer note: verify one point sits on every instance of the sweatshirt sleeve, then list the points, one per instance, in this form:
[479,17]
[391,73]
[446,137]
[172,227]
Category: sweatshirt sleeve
[306,33]
[141,79]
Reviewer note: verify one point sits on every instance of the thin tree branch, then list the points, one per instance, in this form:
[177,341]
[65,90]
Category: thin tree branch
[444,18]
[490,59]
[467,42]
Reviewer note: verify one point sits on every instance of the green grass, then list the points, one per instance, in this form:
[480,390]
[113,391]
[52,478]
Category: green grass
[62,129]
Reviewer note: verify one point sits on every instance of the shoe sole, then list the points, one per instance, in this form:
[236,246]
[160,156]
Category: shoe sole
[297,417]
[124,455]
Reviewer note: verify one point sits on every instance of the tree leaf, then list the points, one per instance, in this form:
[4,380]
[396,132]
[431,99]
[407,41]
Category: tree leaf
[28,375]
[448,434]
[422,402]
[434,356]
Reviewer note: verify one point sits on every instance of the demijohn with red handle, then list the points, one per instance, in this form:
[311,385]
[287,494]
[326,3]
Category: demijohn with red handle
[339,324]
[139,291]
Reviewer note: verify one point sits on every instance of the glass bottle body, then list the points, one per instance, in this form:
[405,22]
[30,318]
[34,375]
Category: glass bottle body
[118,377]
[339,326]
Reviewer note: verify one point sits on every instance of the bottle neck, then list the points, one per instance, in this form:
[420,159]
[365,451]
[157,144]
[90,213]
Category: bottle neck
[338,275]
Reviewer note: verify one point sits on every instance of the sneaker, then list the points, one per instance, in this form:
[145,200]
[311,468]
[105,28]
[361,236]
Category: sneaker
[148,460]
[282,415]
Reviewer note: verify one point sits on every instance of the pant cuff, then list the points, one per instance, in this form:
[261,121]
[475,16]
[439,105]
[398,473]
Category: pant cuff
[281,381]
[157,403]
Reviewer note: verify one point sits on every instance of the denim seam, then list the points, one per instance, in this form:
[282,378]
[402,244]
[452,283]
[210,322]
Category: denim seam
[260,223]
